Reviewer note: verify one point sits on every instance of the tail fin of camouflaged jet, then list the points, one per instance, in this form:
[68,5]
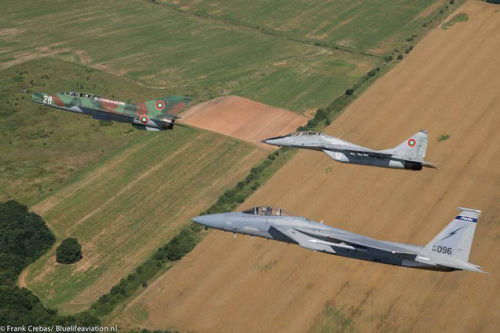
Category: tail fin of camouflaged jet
[170,105]
[451,247]
[413,148]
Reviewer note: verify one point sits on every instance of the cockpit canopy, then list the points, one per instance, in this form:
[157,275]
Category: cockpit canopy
[76,94]
[300,133]
[267,211]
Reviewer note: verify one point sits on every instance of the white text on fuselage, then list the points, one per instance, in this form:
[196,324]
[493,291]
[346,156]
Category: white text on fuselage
[109,101]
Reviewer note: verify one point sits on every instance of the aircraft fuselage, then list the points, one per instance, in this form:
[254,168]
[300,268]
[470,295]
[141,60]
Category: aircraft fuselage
[315,236]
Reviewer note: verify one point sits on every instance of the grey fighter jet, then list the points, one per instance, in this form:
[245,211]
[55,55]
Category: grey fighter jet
[448,251]
[408,155]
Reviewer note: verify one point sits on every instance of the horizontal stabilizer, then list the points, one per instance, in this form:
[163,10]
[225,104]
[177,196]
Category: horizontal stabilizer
[146,128]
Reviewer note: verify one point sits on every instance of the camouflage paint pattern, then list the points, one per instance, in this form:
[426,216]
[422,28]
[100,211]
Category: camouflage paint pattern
[153,115]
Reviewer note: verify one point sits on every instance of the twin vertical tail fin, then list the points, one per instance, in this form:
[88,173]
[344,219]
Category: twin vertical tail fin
[413,148]
[451,247]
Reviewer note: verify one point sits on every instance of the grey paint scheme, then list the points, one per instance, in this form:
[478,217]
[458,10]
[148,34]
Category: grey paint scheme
[448,251]
[407,155]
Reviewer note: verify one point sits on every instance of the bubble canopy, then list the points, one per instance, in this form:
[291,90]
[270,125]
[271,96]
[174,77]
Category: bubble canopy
[267,211]
[301,133]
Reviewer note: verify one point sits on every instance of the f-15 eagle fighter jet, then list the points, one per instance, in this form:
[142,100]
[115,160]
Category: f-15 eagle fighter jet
[408,155]
[448,251]
[154,115]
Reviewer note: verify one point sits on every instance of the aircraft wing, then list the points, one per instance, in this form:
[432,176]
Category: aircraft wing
[363,242]
[292,235]
[328,242]
[354,149]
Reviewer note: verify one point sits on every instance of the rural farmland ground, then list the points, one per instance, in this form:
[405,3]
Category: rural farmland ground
[449,85]
[159,47]
[135,50]
[128,191]
[367,26]
[122,210]
[242,118]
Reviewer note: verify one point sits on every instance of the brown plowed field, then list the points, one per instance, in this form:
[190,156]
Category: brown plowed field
[449,84]
[242,118]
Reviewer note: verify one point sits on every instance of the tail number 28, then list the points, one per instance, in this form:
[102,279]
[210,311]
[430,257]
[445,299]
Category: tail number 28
[47,99]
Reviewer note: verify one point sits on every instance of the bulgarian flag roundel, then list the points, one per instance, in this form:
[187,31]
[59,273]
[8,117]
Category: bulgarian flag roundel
[160,105]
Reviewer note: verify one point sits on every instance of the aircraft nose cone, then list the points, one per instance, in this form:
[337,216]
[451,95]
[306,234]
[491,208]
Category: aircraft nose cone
[273,141]
[211,220]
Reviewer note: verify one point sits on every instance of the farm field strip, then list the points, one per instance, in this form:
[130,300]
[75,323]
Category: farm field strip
[354,27]
[126,208]
[243,119]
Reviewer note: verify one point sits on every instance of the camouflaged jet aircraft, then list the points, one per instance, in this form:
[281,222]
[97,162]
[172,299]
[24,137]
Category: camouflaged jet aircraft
[150,115]
[408,155]
[448,251]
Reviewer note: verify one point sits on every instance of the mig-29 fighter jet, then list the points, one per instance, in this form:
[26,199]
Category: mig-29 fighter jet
[150,115]
[448,251]
[408,155]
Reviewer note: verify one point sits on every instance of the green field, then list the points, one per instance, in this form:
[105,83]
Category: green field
[40,147]
[126,207]
[158,46]
[369,25]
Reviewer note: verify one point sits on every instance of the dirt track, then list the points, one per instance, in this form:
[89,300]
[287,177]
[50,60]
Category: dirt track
[450,85]
[242,118]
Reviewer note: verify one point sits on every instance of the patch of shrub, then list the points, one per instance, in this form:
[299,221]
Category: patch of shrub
[443,137]
[69,251]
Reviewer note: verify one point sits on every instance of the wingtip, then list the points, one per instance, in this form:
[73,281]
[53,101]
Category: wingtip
[429,165]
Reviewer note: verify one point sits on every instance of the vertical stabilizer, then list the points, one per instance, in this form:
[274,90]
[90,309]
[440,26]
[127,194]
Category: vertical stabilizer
[170,105]
[413,148]
[454,241]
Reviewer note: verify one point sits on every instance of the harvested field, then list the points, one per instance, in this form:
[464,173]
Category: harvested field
[449,85]
[242,118]
[124,208]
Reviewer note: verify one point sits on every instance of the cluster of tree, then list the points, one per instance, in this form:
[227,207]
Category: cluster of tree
[69,251]
[493,1]
[25,237]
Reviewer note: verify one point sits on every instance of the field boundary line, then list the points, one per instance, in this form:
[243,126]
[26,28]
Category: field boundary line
[266,31]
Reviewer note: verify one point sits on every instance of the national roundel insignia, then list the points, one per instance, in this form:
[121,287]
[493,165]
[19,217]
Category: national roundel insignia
[160,105]
[144,119]
[412,142]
